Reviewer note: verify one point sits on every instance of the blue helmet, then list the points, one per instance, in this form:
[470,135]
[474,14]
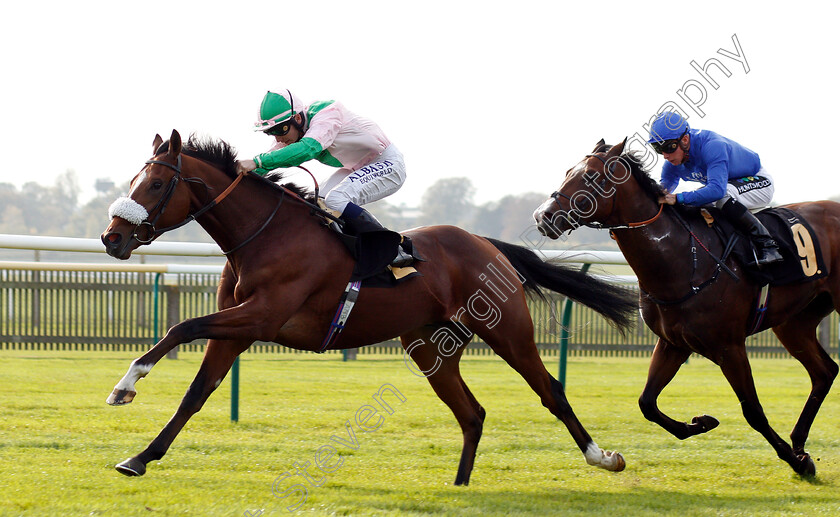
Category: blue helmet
[668,126]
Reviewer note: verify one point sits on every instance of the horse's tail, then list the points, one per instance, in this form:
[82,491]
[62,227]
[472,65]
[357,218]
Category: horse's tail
[612,301]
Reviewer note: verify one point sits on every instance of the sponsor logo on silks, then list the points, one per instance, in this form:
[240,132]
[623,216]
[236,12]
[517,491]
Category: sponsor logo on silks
[748,183]
[697,176]
[374,170]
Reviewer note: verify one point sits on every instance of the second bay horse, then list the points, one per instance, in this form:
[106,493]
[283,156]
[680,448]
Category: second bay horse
[692,308]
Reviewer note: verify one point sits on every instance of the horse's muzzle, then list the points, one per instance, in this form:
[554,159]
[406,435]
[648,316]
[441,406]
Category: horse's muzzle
[116,245]
[544,225]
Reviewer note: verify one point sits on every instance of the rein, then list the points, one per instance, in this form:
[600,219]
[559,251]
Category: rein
[695,289]
[599,226]
[201,211]
[161,205]
[719,266]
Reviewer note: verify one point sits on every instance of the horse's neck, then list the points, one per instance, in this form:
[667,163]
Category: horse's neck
[253,211]
[657,253]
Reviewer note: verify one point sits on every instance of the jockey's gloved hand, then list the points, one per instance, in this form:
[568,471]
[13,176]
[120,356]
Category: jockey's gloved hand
[245,166]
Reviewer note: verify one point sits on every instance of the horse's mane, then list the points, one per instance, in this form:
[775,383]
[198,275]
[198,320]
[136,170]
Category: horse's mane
[223,156]
[649,186]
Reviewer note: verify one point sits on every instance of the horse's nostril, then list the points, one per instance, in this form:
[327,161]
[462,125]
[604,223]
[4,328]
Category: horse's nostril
[111,239]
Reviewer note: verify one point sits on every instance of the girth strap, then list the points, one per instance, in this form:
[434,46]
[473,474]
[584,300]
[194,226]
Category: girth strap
[345,306]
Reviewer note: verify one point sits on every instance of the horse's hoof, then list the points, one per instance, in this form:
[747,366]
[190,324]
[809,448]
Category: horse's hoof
[807,468]
[616,463]
[131,467]
[704,423]
[120,397]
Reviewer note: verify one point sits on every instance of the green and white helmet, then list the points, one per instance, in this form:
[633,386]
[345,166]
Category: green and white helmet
[277,108]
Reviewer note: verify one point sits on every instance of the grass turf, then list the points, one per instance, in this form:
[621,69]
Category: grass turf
[59,441]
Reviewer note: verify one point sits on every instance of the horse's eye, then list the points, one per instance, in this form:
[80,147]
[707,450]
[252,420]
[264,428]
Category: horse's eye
[157,184]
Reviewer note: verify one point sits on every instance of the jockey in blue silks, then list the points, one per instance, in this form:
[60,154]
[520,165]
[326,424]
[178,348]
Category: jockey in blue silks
[732,176]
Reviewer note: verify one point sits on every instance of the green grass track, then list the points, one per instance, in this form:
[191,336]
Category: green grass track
[59,442]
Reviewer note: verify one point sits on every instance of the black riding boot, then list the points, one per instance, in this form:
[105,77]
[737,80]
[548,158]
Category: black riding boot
[357,221]
[744,220]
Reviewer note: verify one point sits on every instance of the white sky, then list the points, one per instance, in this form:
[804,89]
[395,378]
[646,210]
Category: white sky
[510,94]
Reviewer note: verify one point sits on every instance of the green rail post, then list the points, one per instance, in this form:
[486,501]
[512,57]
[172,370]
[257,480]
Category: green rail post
[565,321]
[156,296]
[234,391]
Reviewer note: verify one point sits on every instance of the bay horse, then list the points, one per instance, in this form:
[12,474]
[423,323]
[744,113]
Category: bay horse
[687,304]
[285,274]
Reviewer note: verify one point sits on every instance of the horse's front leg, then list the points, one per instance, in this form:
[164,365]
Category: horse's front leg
[125,390]
[257,318]
[235,323]
[218,358]
[664,364]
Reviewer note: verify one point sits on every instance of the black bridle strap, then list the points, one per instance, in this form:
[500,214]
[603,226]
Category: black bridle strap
[695,289]
[557,194]
[205,208]
[720,266]
[314,207]
[170,191]
[261,228]
[170,188]
[162,202]
[218,200]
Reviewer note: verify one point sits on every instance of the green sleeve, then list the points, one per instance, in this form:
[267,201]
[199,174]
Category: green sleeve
[291,155]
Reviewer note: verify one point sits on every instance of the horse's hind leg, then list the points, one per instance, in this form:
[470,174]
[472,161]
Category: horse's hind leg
[514,342]
[218,358]
[664,364]
[444,375]
[736,368]
[799,337]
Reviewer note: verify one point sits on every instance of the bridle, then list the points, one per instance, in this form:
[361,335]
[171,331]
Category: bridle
[161,205]
[695,289]
[556,195]
[163,202]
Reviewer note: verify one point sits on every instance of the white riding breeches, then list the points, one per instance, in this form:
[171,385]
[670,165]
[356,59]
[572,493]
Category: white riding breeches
[753,195]
[367,184]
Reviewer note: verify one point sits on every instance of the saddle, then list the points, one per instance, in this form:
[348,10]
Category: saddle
[373,253]
[798,244]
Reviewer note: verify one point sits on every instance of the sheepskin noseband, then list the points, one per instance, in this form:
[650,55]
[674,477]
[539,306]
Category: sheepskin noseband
[128,209]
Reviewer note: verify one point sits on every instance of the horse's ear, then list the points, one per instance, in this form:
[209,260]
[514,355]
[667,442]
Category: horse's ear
[174,144]
[599,145]
[617,149]
[156,144]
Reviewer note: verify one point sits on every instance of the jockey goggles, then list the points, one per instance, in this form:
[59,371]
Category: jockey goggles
[667,146]
[279,129]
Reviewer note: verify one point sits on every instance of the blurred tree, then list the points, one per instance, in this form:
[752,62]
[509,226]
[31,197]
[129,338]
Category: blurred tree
[104,186]
[11,219]
[508,218]
[91,219]
[448,201]
[55,210]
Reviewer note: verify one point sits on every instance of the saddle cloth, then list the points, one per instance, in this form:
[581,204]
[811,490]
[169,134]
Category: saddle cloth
[798,244]
[373,253]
